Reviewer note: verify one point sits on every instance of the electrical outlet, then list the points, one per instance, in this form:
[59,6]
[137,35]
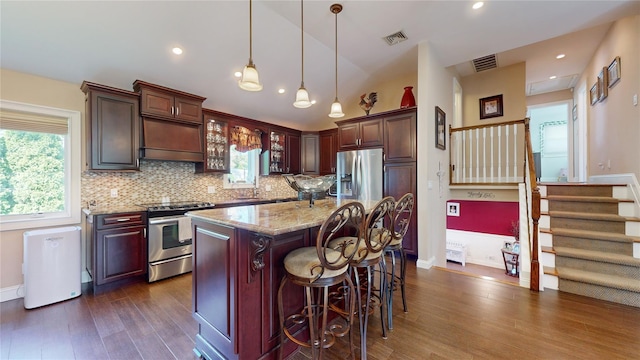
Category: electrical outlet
[166,200]
[635,99]
[267,187]
[211,189]
[114,193]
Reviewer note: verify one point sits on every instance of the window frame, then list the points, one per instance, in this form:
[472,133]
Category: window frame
[72,212]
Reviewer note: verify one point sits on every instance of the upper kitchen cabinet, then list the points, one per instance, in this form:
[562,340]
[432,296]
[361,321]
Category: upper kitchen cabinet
[216,144]
[360,133]
[328,151]
[113,128]
[310,154]
[400,136]
[172,124]
[282,152]
[158,101]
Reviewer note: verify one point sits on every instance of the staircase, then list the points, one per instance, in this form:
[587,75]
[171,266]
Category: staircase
[588,233]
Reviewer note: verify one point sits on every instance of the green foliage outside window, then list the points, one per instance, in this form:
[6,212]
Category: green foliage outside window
[31,172]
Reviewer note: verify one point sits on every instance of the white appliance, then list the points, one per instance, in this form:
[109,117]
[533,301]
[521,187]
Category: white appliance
[360,174]
[52,266]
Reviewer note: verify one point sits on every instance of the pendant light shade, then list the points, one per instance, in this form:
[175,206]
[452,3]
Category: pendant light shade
[302,95]
[250,80]
[336,107]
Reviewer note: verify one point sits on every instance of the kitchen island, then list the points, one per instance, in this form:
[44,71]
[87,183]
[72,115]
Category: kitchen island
[237,268]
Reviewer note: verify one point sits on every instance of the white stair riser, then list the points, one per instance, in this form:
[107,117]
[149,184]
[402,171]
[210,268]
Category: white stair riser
[543,190]
[544,205]
[632,228]
[544,222]
[548,259]
[636,250]
[550,282]
[545,239]
[627,209]
[622,192]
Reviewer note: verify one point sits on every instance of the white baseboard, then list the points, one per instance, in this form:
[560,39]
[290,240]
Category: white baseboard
[11,293]
[426,264]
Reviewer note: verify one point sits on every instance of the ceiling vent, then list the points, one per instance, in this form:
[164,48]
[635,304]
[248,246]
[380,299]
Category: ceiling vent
[485,63]
[395,38]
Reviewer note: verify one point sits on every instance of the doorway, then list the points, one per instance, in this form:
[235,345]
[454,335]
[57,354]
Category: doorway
[550,140]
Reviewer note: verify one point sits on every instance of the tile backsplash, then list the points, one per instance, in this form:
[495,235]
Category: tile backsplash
[167,179]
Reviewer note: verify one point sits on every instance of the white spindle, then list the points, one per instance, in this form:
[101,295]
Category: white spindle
[464,155]
[477,155]
[491,144]
[515,153]
[499,154]
[506,153]
[484,155]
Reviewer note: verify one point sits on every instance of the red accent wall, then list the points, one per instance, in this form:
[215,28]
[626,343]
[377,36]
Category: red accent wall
[490,217]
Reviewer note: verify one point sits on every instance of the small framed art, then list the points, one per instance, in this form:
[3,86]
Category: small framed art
[491,107]
[594,95]
[603,80]
[441,133]
[614,71]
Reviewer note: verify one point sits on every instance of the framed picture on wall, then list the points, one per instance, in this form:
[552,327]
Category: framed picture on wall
[453,209]
[441,133]
[614,71]
[594,96]
[603,80]
[491,107]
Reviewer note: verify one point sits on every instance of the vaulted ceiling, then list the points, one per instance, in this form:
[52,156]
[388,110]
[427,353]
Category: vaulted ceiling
[117,42]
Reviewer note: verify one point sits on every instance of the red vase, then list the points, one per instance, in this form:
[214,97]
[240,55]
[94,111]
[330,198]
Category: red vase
[407,98]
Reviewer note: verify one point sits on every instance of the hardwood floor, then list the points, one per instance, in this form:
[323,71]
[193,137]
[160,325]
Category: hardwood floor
[451,316]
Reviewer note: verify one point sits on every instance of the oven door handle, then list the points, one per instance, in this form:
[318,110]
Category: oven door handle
[171,260]
[165,220]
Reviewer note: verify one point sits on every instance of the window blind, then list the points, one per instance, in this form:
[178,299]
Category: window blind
[22,121]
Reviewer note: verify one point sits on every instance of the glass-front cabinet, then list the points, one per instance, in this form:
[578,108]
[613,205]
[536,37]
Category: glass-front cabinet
[216,157]
[277,155]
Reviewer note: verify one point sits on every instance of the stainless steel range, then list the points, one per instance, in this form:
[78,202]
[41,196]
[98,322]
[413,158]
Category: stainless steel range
[170,249]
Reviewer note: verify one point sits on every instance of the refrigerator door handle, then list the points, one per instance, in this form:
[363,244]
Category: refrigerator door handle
[354,175]
[360,178]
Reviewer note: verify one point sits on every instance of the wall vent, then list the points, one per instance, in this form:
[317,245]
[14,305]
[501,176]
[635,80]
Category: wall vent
[485,63]
[395,38]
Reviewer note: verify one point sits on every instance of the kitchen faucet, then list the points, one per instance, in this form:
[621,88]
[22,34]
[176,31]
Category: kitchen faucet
[255,192]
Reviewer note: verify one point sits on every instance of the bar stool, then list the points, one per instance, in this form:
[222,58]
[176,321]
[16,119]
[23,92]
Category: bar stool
[402,218]
[316,269]
[377,236]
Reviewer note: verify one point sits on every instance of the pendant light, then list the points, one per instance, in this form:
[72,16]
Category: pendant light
[336,107]
[302,96]
[249,80]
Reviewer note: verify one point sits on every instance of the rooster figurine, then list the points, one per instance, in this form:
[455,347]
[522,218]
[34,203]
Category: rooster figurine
[366,103]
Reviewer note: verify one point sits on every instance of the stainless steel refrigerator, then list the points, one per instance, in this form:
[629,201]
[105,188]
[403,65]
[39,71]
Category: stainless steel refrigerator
[360,174]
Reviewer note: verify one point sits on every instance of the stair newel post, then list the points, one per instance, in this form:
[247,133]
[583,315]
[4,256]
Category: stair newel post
[535,216]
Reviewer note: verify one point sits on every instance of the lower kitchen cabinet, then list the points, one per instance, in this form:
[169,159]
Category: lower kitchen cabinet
[116,247]
[399,179]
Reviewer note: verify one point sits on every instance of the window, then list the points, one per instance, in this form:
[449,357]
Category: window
[243,169]
[39,166]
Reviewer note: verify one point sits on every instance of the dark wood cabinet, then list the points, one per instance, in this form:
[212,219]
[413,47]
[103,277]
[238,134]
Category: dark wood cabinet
[293,162]
[216,141]
[400,137]
[236,275]
[328,150]
[399,179]
[113,128]
[158,101]
[360,133]
[116,247]
[310,153]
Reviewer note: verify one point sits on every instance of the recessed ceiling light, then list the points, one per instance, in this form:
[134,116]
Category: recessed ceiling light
[560,56]
[237,74]
[313,102]
[280,91]
[552,77]
[177,50]
[477,5]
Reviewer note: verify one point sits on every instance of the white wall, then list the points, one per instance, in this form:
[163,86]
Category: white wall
[436,89]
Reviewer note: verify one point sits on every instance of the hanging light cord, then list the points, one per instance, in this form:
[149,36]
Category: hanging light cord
[336,53]
[302,37]
[250,33]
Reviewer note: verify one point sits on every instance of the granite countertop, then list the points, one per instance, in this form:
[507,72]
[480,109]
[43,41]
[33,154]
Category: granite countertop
[276,218]
[105,210]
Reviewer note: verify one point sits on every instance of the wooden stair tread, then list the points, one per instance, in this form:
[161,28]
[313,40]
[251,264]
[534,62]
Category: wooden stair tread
[549,270]
[606,280]
[548,249]
[593,255]
[595,235]
[577,198]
